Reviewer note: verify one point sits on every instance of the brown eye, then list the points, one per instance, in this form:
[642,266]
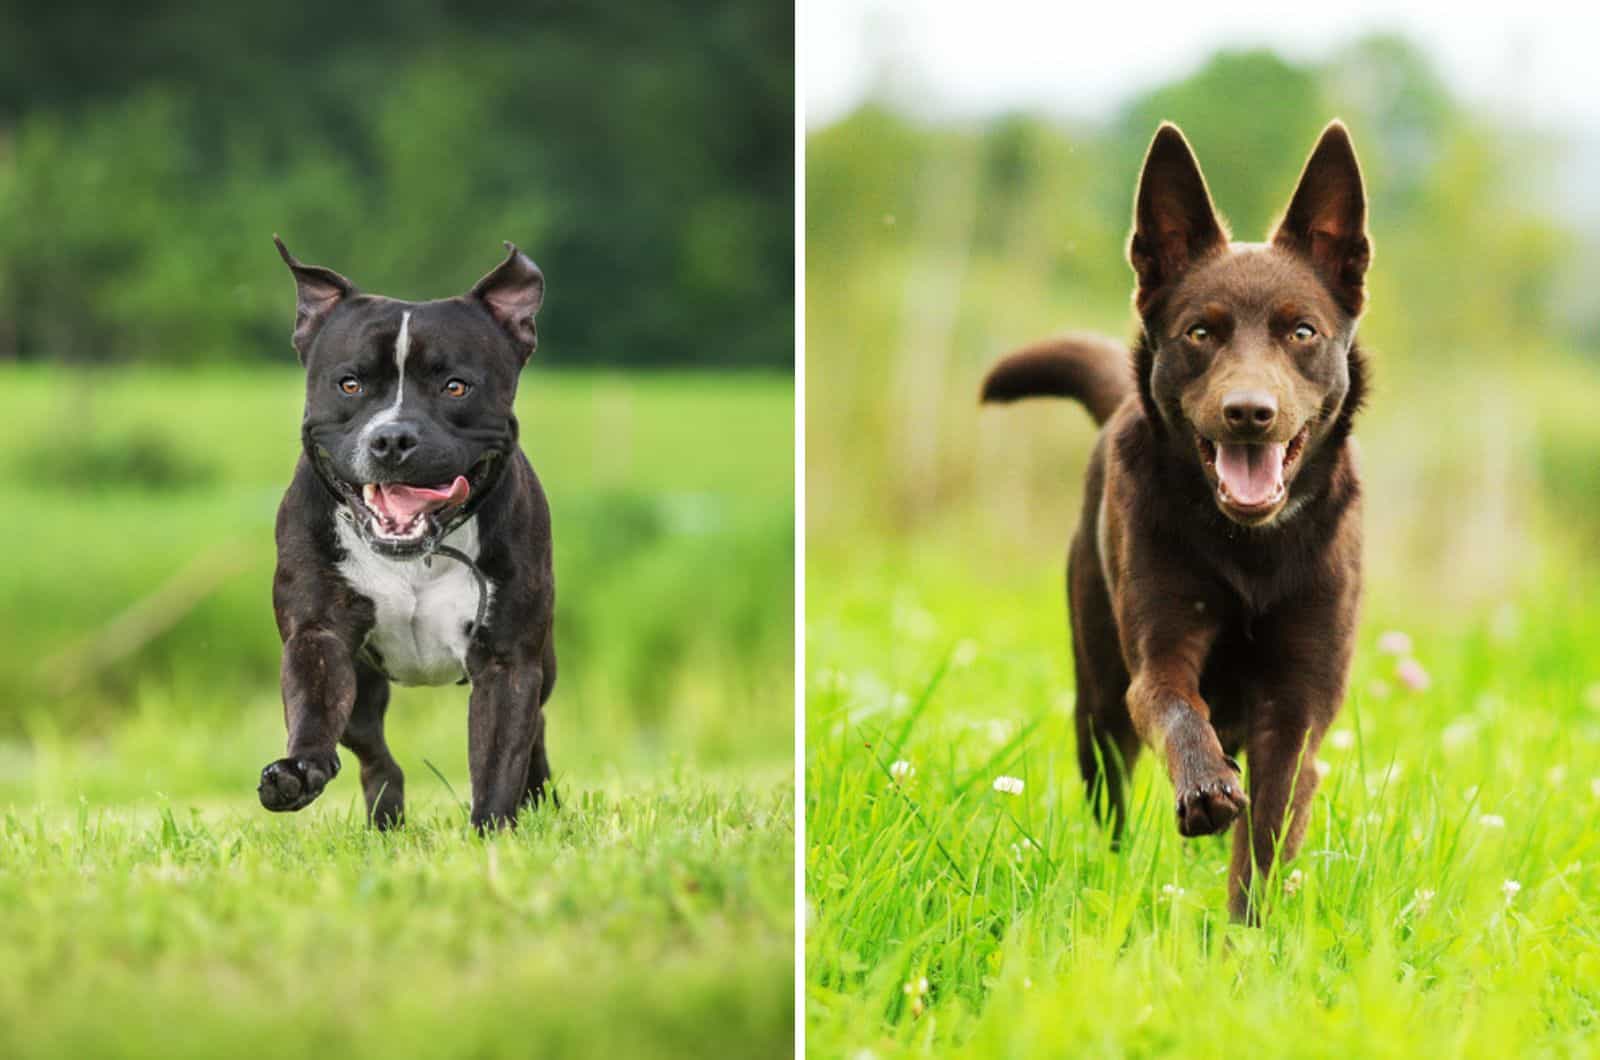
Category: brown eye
[1304,333]
[350,385]
[457,389]
[1198,333]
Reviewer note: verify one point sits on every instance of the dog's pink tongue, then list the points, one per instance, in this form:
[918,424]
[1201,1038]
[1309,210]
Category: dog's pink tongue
[1252,473]
[405,502]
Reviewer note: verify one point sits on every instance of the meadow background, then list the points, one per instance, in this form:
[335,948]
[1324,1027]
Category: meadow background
[1447,900]
[148,906]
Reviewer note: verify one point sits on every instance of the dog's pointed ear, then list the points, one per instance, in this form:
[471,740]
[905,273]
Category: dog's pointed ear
[513,293]
[1174,222]
[318,292]
[1326,222]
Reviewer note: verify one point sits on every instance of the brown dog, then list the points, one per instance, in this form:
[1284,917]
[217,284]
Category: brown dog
[1216,573]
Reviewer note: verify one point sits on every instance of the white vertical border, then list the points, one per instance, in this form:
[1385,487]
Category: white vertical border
[799,534]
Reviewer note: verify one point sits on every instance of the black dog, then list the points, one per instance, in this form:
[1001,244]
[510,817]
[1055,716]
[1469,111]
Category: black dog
[414,540]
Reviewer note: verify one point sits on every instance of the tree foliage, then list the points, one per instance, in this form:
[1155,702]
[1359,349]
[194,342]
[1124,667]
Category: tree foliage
[1467,258]
[642,154]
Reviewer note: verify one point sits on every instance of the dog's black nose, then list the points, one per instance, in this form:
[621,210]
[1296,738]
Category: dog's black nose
[1252,411]
[392,443]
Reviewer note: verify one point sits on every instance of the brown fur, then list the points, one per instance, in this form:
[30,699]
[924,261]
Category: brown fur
[1091,368]
[1203,629]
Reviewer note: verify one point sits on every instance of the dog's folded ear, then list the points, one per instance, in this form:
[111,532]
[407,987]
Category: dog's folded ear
[513,293]
[1174,222]
[1327,218]
[317,292]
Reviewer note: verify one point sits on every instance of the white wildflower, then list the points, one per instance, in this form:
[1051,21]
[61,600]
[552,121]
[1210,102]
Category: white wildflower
[1395,642]
[902,770]
[1322,767]
[1412,675]
[914,622]
[1424,901]
[1342,739]
[1388,778]
[1492,820]
[1008,785]
[1458,733]
[1293,881]
[1510,889]
[917,991]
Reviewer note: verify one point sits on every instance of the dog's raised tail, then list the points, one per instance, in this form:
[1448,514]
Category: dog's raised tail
[1090,368]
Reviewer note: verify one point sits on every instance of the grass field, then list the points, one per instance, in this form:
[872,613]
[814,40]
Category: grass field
[148,906]
[1447,900]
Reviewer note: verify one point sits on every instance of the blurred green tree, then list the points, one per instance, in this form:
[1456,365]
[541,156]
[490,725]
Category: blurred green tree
[934,245]
[643,154]
[1252,117]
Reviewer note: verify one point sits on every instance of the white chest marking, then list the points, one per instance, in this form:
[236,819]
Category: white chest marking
[423,612]
[402,350]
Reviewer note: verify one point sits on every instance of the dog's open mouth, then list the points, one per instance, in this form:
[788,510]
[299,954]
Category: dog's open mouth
[404,519]
[1252,477]
[400,513]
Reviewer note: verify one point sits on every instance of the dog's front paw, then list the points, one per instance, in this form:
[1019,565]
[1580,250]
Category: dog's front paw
[1209,802]
[294,783]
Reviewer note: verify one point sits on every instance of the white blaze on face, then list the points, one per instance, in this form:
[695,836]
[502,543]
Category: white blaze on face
[402,350]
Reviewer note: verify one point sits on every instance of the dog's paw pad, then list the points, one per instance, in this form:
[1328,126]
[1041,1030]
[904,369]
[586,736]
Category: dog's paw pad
[294,783]
[1209,806]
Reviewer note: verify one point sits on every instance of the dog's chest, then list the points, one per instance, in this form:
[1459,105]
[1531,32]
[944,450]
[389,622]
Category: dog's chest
[424,609]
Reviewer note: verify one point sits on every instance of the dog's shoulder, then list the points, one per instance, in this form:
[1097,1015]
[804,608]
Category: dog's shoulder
[514,522]
[305,586]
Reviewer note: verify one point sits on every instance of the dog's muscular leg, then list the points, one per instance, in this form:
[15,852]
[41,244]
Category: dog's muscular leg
[1296,698]
[1283,778]
[539,781]
[1175,721]
[505,720]
[319,690]
[1170,717]
[382,782]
